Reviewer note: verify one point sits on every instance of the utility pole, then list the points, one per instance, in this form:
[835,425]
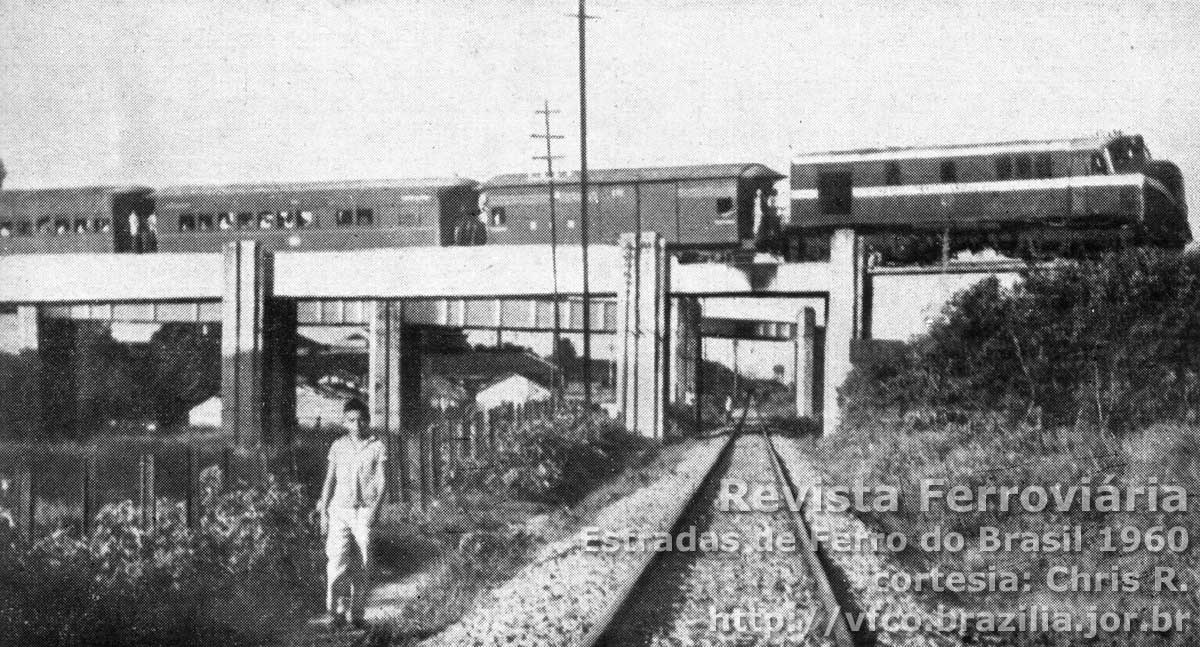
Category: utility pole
[583,211]
[550,157]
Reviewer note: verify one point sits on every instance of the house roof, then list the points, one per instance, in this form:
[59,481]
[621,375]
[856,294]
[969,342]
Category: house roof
[487,366]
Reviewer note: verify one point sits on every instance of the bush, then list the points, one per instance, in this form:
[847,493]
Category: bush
[246,573]
[1113,342]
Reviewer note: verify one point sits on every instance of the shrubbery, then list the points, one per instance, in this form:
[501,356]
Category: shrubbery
[245,573]
[1113,342]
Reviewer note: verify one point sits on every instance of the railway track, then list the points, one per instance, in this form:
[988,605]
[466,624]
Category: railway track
[753,593]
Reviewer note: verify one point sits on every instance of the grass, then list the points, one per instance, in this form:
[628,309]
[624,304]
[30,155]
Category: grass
[984,452]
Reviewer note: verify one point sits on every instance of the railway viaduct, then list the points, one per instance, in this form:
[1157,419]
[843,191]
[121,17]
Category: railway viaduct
[641,294]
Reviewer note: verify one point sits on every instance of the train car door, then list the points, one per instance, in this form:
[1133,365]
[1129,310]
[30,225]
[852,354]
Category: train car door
[131,231]
[657,202]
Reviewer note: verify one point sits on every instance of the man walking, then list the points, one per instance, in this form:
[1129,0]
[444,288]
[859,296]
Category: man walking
[348,509]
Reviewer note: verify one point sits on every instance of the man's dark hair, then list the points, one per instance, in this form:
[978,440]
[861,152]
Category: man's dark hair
[354,404]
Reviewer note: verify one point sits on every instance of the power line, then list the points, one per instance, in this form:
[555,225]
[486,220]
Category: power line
[582,17]
[550,157]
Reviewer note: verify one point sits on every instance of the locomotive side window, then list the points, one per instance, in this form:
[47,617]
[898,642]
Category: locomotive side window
[345,218]
[724,205]
[204,222]
[894,178]
[835,192]
[1024,167]
[949,172]
[1004,168]
[187,222]
[245,220]
[364,217]
[1044,166]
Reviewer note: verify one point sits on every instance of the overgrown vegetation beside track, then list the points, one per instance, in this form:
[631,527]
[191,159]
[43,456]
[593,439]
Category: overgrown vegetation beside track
[1081,375]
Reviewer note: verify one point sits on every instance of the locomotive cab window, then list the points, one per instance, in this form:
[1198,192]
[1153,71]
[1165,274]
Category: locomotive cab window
[364,217]
[497,217]
[187,222]
[835,193]
[949,172]
[724,205]
[345,218]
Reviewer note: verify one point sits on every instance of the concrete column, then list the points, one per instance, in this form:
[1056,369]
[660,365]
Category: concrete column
[21,415]
[258,344]
[843,318]
[394,391]
[685,330]
[806,330]
[642,333]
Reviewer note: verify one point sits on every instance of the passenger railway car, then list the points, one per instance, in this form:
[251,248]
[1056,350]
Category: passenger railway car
[1005,195]
[711,206]
[86,219]
[319,215]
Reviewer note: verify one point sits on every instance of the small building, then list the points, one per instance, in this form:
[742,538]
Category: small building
[513,389]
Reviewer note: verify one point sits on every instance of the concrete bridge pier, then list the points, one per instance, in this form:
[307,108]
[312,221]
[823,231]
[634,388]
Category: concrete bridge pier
[844,321]
[258,350]
[805,366]
[642,339]
[394,390]
[684,349]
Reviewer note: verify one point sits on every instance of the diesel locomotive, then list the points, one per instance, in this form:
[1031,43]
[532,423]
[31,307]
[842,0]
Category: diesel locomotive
[1063,197]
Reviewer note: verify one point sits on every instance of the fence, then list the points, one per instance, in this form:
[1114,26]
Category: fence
[68,488]
[459,442]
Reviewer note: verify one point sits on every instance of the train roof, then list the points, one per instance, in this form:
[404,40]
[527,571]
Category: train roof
[745,170]
[956,150]
[412,184]
[72,191]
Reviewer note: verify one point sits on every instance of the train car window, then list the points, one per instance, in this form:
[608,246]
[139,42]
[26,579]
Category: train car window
[187,222]
[266,219]
[24,228]
[1044,165]
[5,229]
[44,226]
[81,226]
[245,220]
[949,172]
[893,178]
[1004,168]
[101,224]
[306,219]
[345,218]
[226,220]
[364,217]
[724,205]
[835,193]
[287,219]
[498,218]
[1024,167]
[1098,165]
[204,222]
[61,226]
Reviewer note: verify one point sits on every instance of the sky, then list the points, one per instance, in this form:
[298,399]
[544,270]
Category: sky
[169,92]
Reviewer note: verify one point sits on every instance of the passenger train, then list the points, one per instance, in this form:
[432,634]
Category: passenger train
[913,205]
